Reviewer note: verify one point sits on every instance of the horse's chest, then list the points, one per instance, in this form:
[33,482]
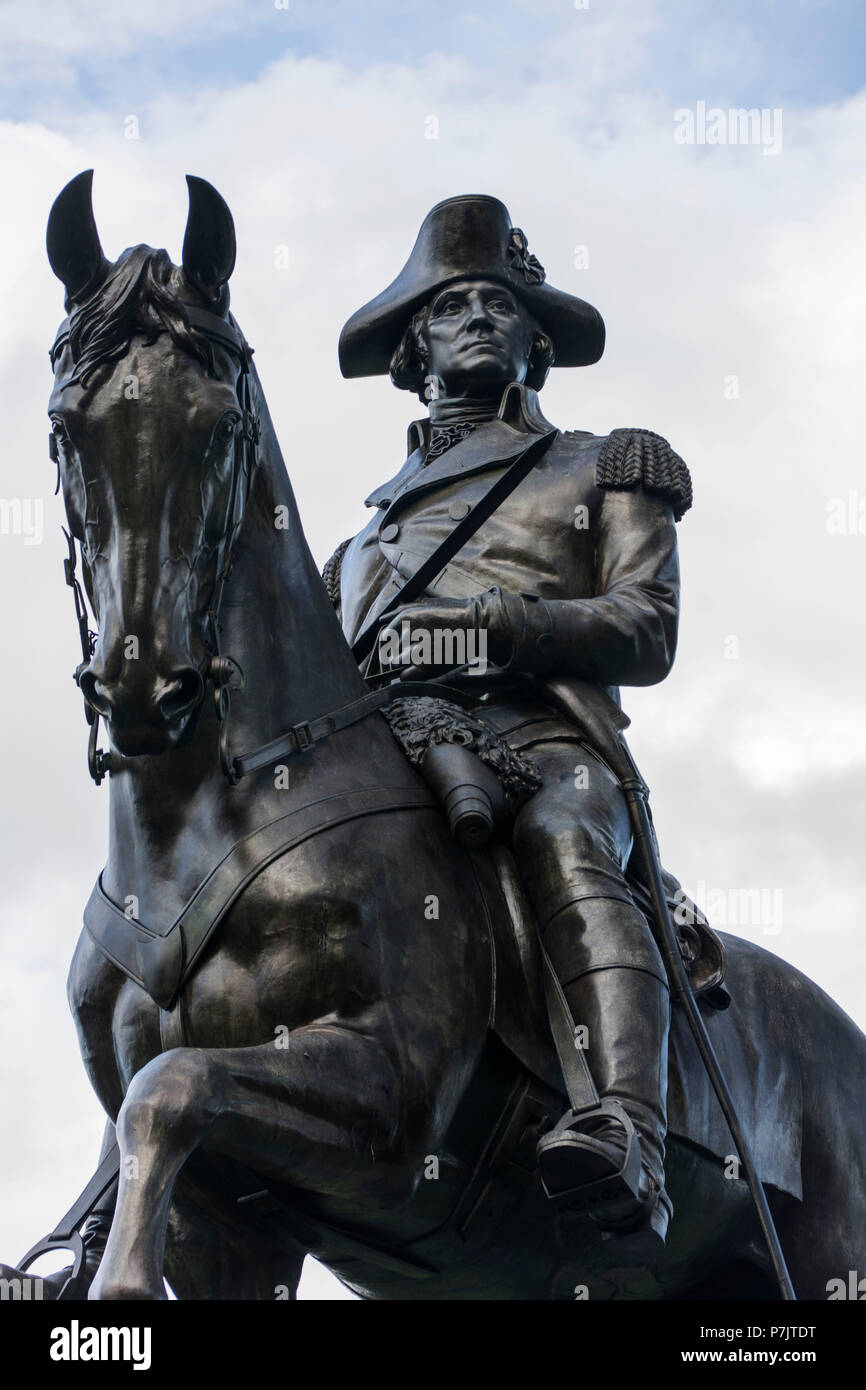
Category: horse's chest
[264,972]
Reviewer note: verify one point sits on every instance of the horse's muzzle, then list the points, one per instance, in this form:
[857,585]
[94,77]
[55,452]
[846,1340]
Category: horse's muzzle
[144,716]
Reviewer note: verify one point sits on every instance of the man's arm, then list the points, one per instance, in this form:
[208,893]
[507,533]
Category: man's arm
[627,633]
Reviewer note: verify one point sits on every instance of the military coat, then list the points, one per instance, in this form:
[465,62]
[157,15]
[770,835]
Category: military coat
[591,531]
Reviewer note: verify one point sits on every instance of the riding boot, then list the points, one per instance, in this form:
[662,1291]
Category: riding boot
[626,1013]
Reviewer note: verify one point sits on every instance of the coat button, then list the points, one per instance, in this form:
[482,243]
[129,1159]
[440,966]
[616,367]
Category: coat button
[457,510]
[389,533]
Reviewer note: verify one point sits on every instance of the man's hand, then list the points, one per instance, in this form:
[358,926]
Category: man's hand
[483,615]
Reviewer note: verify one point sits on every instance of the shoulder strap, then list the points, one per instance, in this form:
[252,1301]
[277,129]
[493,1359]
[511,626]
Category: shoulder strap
[444,553]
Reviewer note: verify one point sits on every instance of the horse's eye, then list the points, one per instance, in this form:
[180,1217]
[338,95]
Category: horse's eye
[59,430]
[227,428]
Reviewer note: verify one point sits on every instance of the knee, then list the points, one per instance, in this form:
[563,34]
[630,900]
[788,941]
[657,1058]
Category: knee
[563,831]
[177,1090]
[575,821]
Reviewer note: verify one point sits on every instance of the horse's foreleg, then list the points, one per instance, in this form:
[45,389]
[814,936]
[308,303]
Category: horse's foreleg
[325,1109]
[159,1124]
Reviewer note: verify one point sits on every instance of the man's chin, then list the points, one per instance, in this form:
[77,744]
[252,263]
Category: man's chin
[484,374]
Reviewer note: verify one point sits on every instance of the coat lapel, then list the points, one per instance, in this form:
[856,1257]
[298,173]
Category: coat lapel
[490,445]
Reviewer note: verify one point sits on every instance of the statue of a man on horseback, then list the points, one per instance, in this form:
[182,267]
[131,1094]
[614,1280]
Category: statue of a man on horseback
[279,1040]
[574,575]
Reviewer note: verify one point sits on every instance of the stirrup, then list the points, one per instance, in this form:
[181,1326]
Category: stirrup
[621,1185]
[630,1209]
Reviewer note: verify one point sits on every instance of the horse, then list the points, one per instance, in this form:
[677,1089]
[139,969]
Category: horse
[316,1022]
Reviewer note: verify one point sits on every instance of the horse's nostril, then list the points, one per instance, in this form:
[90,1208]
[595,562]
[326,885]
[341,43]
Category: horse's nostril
[94,693]
[182,692]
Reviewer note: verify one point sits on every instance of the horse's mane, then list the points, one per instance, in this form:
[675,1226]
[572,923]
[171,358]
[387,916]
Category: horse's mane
[140,294]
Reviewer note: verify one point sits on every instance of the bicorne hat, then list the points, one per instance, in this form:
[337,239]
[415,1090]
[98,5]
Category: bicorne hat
[466,238]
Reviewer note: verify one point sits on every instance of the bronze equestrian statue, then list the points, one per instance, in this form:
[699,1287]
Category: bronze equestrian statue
[316,1023]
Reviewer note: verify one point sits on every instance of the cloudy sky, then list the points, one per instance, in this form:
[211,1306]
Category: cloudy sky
[730,278]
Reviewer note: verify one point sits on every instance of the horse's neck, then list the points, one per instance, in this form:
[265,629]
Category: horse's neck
[172,817]
[277,620]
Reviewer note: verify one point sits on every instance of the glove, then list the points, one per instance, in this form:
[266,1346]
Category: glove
[515,629]
[461,631]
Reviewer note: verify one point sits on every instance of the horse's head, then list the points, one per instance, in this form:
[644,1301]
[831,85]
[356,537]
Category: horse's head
[152,429]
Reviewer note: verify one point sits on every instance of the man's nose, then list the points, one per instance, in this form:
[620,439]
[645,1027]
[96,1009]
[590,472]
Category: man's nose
[479,314]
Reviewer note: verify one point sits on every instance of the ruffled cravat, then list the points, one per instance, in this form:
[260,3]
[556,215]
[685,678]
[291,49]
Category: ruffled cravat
[452,419]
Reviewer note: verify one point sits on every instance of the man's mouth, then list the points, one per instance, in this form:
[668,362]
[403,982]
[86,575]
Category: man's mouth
[483,345]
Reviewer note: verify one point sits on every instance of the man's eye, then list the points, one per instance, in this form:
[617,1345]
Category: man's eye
[452,307]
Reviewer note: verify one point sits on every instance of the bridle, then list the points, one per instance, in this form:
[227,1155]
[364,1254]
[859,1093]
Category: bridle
[221,669]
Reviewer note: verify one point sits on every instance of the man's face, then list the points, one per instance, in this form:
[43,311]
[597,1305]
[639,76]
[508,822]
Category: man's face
[478,338]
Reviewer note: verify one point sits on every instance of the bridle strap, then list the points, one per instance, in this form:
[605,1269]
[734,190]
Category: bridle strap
[97,758]
[213,326]
[304,736]
[220,669]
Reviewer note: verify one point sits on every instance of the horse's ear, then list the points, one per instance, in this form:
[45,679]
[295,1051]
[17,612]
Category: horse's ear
[72,240]
[209,243]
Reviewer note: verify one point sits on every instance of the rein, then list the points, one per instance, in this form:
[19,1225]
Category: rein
[222,669]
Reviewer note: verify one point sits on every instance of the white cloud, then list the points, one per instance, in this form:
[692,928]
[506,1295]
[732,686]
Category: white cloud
[102,29]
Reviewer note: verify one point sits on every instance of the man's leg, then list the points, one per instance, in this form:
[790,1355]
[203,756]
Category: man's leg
[572,843]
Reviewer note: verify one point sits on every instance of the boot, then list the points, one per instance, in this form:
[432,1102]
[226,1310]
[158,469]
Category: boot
[627,1014]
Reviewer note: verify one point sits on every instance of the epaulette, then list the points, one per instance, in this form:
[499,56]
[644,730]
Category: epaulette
[629,457]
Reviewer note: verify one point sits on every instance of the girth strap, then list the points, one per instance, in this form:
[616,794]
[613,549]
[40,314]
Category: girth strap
[162,960]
